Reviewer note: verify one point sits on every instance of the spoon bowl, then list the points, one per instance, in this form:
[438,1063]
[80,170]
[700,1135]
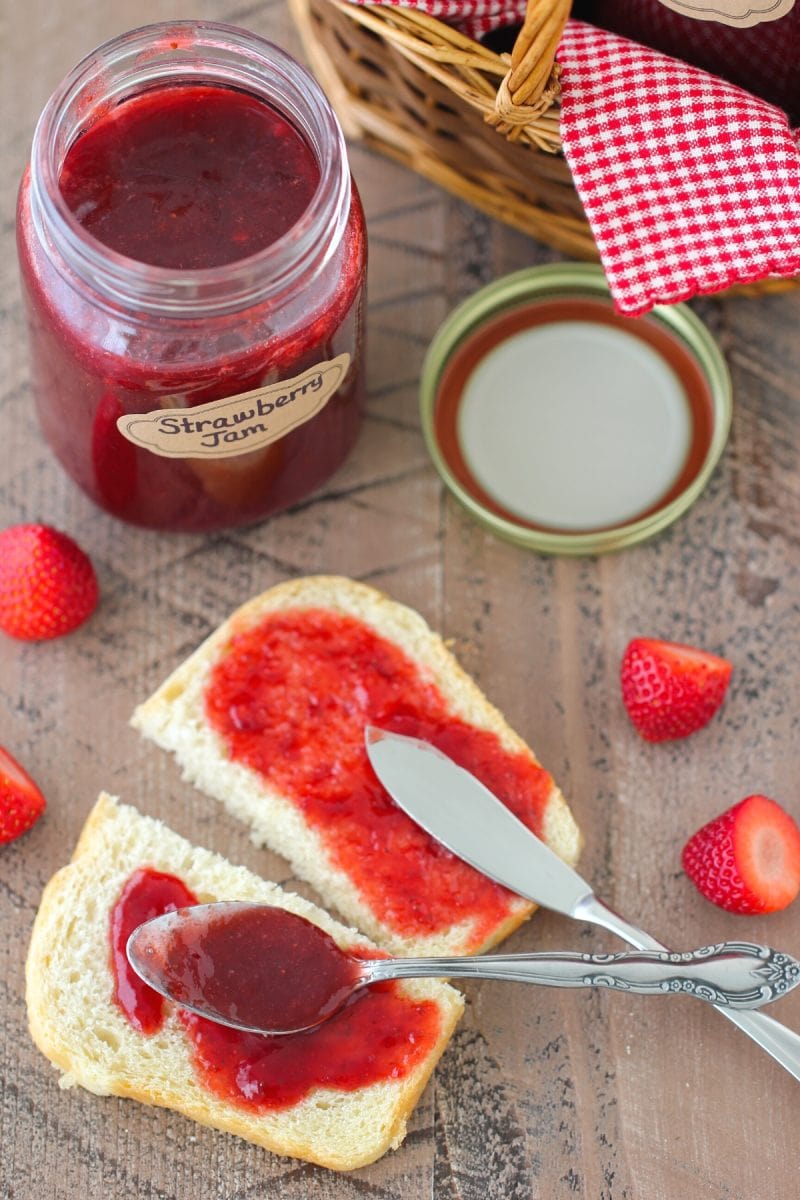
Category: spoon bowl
[263,969]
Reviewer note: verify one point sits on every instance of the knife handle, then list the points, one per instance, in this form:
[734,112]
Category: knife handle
[778,1040]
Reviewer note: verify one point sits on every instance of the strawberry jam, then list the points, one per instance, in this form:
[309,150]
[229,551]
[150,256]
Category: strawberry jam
[249,965]
[378,1035]
[193,243]
[156,179]
[146,895]
[291,698]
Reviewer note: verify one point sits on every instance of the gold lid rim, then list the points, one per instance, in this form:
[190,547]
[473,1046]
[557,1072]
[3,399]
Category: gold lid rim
[569,279]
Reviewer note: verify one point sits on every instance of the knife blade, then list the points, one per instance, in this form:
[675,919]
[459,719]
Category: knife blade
[460,812]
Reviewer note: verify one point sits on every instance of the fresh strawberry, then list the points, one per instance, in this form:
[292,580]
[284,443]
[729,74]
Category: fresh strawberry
[748,859]
[21,802]
[671,690]
[47,584]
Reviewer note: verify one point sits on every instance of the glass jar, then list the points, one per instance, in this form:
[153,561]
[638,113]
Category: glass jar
[194,397]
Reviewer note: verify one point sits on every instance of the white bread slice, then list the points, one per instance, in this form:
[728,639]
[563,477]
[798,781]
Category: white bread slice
[174,718]
[76,1024]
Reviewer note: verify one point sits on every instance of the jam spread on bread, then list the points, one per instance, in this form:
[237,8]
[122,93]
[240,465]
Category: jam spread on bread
[379,1035]
[147,894]
[291,697]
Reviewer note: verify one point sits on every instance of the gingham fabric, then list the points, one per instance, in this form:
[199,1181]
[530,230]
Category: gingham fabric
[472,17]
[762,58]
[689,183]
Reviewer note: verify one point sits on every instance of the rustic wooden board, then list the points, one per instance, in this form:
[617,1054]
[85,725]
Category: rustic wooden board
[540,1094]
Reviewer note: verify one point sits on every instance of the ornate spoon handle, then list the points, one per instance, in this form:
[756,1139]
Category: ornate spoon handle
[730,975]
[778,1040]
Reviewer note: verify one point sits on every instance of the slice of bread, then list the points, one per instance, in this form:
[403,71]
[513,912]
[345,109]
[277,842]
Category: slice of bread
[78,1026]
[174,717]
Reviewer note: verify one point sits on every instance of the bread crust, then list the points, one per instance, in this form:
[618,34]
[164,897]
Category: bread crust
[173,717]
[77,1026]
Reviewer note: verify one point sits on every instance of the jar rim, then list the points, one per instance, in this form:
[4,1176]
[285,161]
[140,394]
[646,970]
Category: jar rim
[172,53]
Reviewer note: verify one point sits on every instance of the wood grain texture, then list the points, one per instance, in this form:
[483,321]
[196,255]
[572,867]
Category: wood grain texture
[541,1094]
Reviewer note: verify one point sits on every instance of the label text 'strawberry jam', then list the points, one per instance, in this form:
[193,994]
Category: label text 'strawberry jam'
[193,262]
[291,698]
[379,1035]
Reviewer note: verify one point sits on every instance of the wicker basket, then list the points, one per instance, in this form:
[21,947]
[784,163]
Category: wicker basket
[485,126]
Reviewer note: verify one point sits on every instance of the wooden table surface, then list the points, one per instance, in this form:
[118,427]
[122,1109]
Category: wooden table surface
[541,1093]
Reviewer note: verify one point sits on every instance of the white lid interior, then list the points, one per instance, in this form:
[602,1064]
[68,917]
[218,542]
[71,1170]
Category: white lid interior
[574,425]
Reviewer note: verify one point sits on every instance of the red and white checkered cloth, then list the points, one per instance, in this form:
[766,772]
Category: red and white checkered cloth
[690,184]
[472,17]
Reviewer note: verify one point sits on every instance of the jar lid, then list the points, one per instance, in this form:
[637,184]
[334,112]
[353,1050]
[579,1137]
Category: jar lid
[565,427]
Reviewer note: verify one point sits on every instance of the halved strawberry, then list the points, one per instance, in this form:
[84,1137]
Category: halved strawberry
[748,859]
[21,802]
[48,586]
[671,690]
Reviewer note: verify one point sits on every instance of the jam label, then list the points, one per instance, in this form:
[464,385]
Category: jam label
[732,12]
[238,424]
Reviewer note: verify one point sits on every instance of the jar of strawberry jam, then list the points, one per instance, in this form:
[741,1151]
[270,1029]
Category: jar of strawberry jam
[193,258]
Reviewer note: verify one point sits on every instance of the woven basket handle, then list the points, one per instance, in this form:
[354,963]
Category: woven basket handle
[535,49]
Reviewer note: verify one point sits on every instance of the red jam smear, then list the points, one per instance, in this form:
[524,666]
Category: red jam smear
[379,1035]
[185,176]
[291,697]
[147,894]
[155,180]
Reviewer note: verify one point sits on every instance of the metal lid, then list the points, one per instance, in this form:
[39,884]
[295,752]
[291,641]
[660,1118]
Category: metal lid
[565,427]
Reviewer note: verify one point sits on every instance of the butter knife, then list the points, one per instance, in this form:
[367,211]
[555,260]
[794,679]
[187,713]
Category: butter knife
[460,812]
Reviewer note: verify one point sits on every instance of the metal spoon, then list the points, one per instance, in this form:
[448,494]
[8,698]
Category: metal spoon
[264,970]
